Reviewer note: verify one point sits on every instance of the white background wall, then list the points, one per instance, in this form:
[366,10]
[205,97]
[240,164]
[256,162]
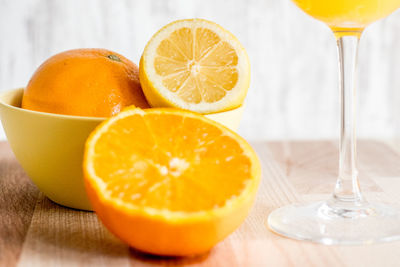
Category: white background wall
[293,91]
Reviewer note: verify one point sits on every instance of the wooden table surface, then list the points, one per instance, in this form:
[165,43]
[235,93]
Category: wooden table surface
[36,232]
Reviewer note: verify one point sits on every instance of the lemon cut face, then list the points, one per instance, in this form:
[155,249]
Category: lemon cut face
[196,65]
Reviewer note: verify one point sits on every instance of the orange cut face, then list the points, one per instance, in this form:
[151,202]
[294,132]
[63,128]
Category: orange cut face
[169,173]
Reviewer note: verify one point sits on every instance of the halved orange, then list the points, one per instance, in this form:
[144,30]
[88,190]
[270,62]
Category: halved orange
[168,181]
[197,65]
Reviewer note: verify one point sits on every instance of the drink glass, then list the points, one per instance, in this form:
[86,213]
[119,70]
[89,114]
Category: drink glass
[347,217]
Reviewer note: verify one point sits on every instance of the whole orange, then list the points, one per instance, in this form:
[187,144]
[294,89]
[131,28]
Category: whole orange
[85,82]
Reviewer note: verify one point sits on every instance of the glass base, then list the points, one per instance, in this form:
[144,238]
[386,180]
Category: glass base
[337,223]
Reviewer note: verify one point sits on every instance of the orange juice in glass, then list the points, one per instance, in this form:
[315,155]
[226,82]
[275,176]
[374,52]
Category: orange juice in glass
[345,15]
[346,217]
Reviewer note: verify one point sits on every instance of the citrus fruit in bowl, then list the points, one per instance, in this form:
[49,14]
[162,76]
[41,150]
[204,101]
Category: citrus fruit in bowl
[85,82]
[72,92]
[168,181]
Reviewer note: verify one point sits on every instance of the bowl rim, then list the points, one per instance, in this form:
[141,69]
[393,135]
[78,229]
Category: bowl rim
[20,90]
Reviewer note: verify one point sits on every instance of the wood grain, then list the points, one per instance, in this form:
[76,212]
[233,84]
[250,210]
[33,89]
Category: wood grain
[36,232]
[17,202]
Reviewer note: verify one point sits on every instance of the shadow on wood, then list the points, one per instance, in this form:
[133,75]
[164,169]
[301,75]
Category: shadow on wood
[165,260]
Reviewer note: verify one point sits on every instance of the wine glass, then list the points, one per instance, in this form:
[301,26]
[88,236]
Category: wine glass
[347,217]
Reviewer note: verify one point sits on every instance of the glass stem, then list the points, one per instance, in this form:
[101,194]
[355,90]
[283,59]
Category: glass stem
[347,187]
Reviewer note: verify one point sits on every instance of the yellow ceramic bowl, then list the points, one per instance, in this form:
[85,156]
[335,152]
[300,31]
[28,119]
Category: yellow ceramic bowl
[50,146]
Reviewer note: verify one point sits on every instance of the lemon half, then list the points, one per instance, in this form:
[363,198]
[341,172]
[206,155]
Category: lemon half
[197,65]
